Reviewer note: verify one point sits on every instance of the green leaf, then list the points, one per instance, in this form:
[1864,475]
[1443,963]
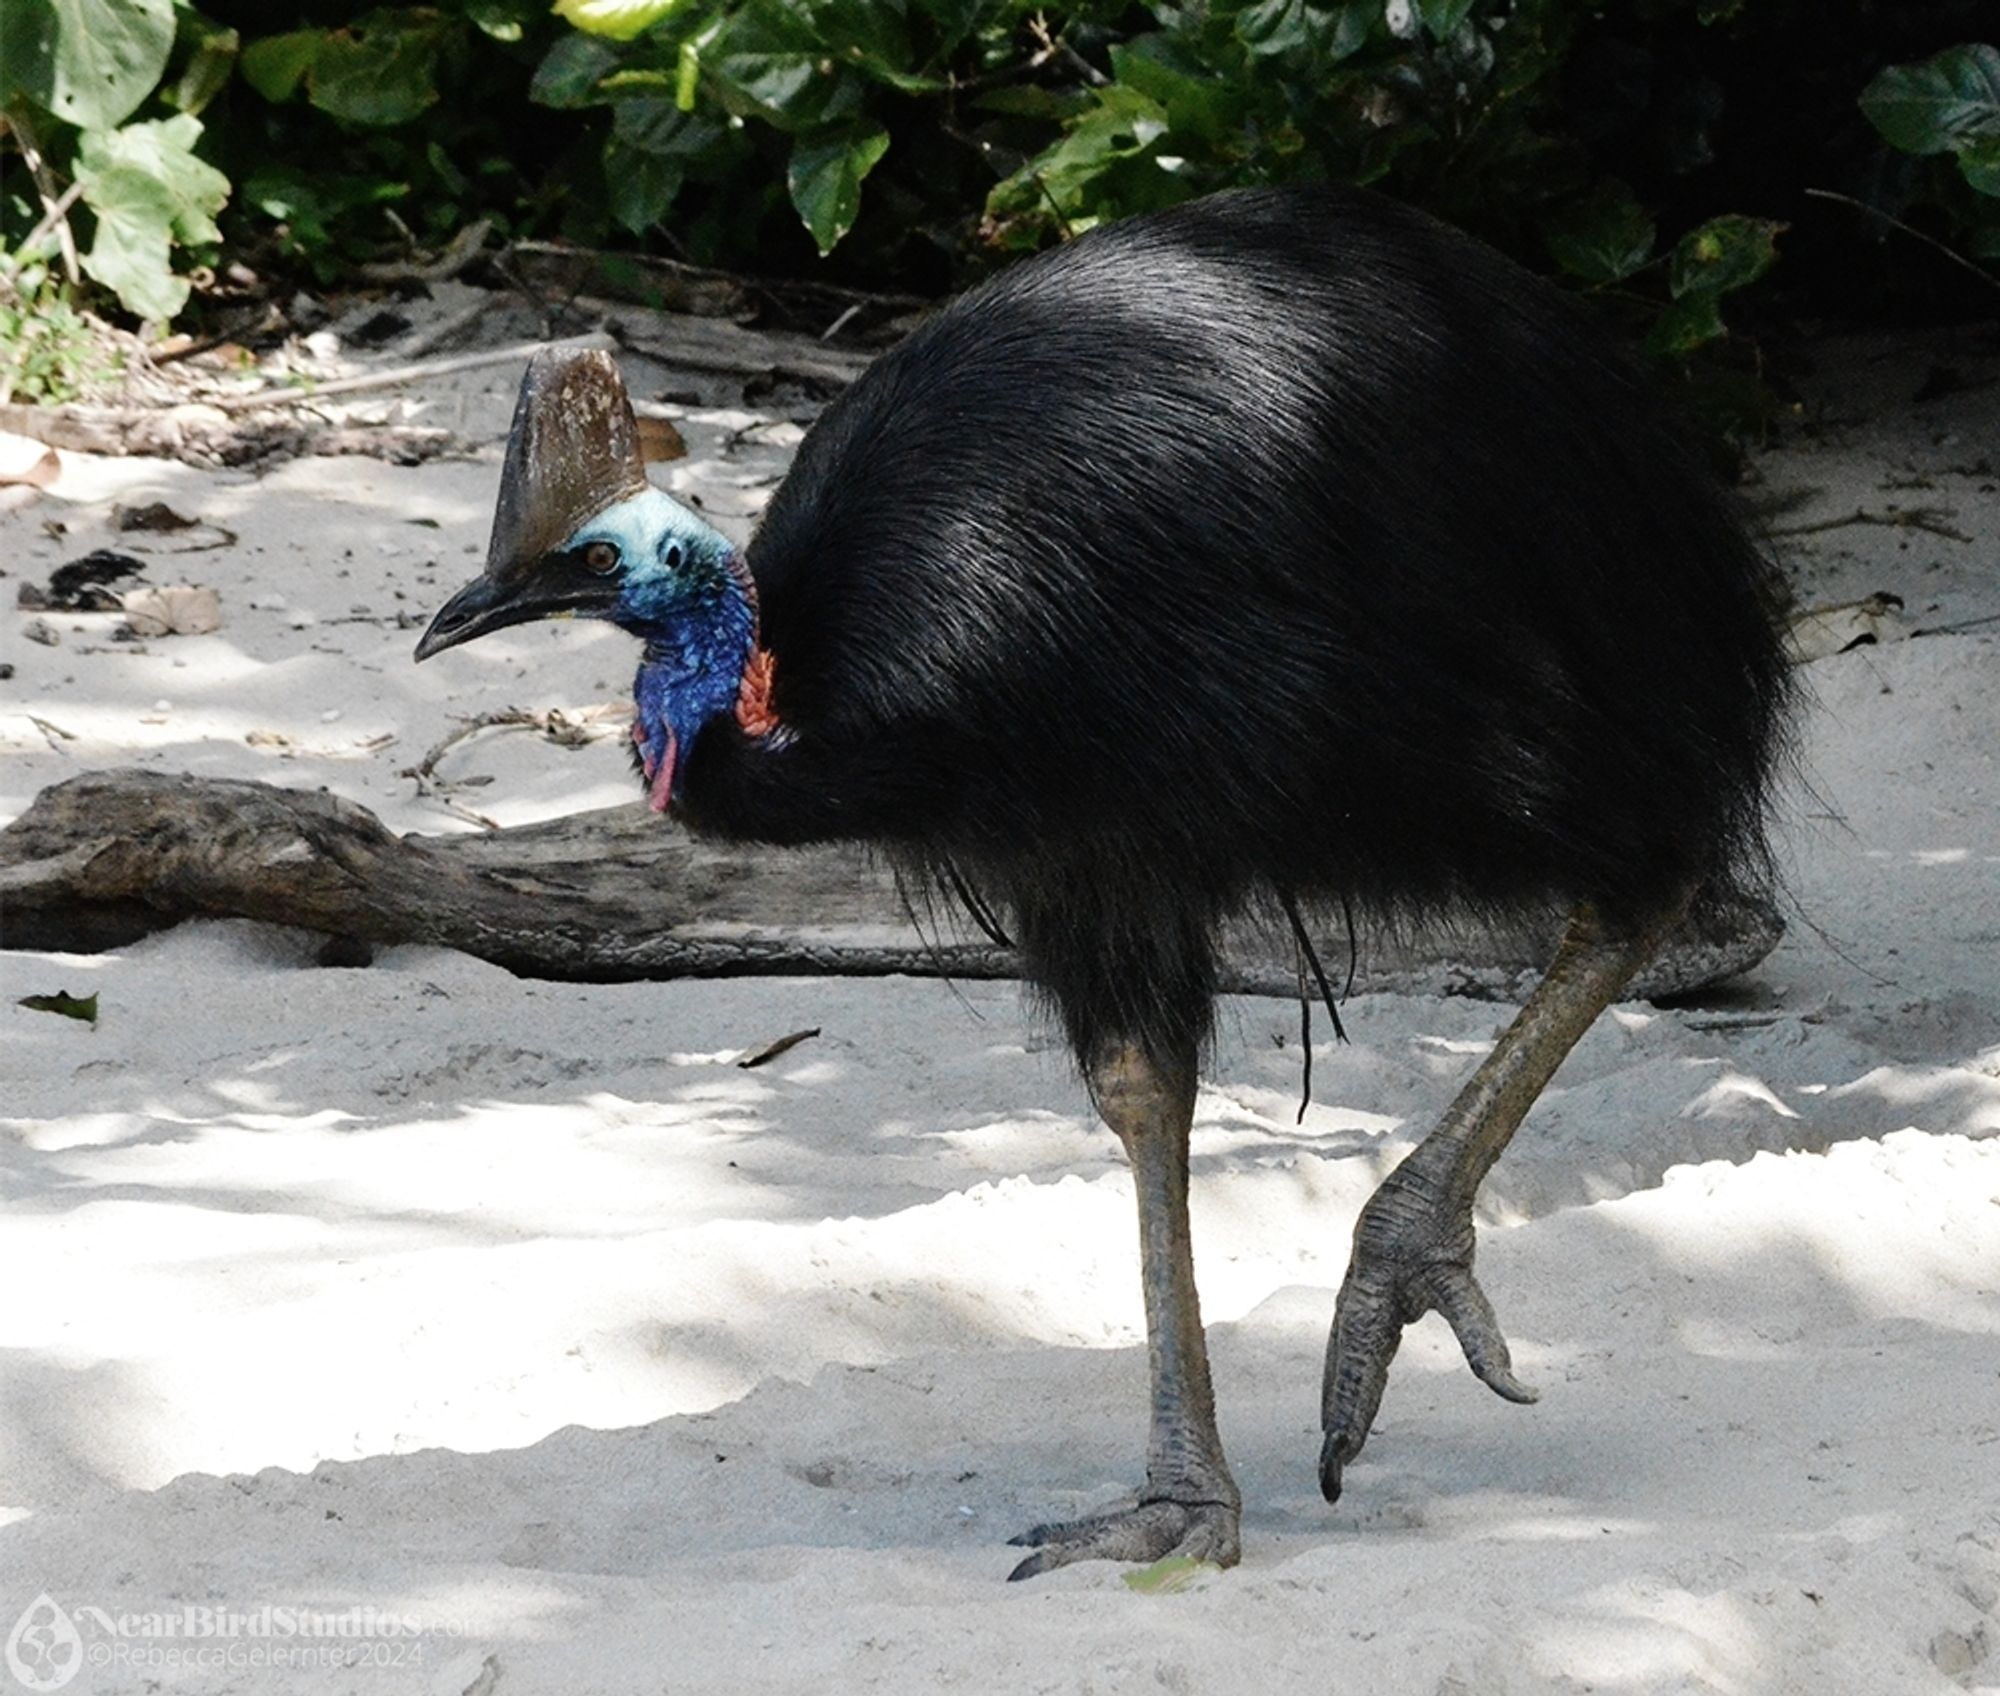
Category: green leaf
[1271,28]
[276,65]
[1723,254]
[1122,125]
[569,74]
[660,127]
[212,51]
[954,20]
[1442,17]
[380,71]
[448,173]
[1030,100]
[1685,326]
[1979,164]
[1348,31]
[825,175]
[1940,104]
[90,62]
[617,20]
[1202,109]
[503,20]
[1602,239]
[1165,1577]
[148,190]
[311,201]
[82,1007]
[768,63]
[642,185]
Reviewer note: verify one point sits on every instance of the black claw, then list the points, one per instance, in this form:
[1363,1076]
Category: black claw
[1033,1567]
[1329,1464]
[1032,1539]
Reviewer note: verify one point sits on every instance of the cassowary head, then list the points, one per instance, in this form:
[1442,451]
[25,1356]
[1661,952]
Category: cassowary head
[579,532]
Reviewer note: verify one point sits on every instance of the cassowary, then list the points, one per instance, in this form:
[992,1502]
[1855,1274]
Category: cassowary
[1285,547]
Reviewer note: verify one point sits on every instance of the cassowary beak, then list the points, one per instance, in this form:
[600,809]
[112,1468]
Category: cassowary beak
[484,605]
[573,451]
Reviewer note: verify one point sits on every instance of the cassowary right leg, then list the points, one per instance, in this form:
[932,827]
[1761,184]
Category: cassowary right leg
[1413,1241]
[1189,1504]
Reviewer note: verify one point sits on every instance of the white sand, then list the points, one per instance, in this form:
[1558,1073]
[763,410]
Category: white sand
[516,1309]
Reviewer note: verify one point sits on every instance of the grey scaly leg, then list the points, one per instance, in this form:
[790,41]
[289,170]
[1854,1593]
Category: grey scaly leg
[1189,1504]
[1413,1242]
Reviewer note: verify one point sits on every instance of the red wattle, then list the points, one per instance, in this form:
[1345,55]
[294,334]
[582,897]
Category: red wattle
[663,779]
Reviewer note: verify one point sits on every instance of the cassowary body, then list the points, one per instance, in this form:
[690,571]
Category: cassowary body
[1285,547]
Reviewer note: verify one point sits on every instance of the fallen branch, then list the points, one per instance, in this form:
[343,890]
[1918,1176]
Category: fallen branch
[606,896]
[459,253]
[672,285]
[729,350]
[207,436]
[517,353]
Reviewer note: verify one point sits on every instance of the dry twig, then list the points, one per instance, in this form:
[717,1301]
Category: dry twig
[1925,518]
[1895,223]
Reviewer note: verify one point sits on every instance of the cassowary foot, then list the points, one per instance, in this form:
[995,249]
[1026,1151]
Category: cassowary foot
[1149,1531]
[1412,1253]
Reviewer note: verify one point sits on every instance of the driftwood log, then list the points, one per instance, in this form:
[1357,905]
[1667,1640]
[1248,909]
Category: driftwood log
[604,896]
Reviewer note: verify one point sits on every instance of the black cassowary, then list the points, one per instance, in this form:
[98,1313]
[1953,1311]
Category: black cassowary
[1285,547]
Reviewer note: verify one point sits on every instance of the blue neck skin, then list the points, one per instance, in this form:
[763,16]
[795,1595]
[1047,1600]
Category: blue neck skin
[692,672]
[686,594]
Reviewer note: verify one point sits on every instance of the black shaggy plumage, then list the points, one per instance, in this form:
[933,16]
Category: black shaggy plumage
[1285,543]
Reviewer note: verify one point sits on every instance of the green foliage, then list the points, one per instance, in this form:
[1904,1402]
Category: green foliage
[1946,104]
[86,66]
[379,71]
[825,176]
[1603,238]
[1949,104]
[86,62]
[1707,263]
[148,191]
[620,20]
[915,139]
[49,351]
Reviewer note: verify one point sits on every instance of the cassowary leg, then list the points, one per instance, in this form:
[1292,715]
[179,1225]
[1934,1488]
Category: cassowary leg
[1189,1504]
[1413,1242]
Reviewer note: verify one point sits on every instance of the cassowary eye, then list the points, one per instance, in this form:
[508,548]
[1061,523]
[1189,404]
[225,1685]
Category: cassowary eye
[673,556]
[600,557]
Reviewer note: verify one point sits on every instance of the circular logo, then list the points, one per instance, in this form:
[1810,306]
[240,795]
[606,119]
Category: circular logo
[43,1649]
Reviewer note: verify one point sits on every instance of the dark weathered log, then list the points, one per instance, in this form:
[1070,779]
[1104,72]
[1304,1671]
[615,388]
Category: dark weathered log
[206,435]
[605,896]
[601,896]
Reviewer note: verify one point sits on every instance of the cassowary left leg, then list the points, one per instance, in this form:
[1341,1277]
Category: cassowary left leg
[1413,1242]
[1189,1504]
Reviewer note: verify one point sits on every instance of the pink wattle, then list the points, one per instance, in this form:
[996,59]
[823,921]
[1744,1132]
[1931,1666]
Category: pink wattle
[663,777]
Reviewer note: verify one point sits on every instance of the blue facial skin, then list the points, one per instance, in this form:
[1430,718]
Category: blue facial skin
[680,592]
